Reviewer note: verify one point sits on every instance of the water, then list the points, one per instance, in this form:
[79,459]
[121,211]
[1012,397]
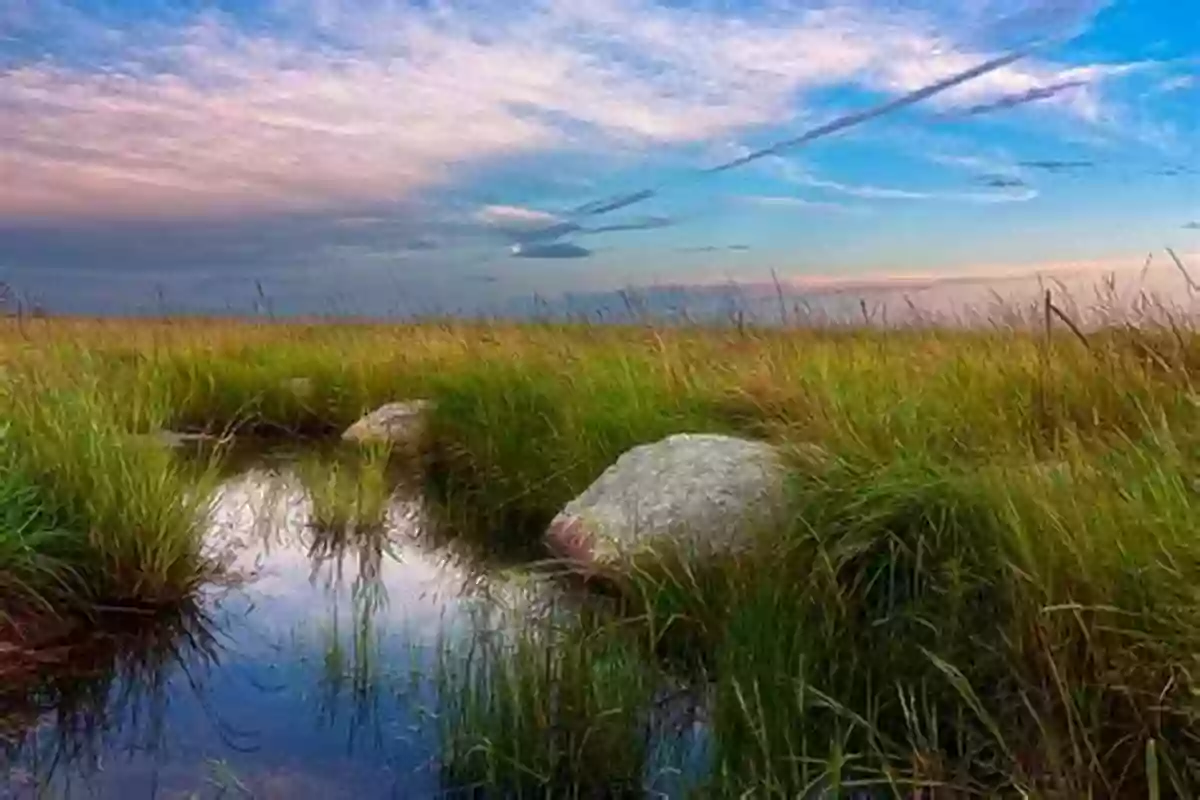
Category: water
[294,679]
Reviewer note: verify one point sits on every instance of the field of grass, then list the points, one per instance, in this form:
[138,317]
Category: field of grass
[991,586]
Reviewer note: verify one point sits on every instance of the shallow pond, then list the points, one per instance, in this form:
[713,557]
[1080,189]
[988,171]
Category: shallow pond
[300,675]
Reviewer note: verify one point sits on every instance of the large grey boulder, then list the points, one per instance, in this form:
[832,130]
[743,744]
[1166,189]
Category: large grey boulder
[691,495]
[401,423]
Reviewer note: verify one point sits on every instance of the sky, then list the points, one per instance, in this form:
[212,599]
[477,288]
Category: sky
[384,156]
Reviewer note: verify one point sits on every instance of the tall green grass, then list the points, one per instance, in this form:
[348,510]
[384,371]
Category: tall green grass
[36,553]
[350,491]
[127,517]
[546,712]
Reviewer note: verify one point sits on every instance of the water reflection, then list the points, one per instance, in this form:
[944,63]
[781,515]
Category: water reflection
[109,697]
[290,677]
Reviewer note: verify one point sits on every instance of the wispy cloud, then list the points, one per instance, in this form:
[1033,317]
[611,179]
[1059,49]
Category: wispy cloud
[1178,83]
[714,248]
[639,224]
[987,165]
[514,218]
[1001,182]
[864,191]
[793,173]
[528,226]
[791,201]
[1012,192]
[341,104]
[553,250]
[1174,171]
[1192,226]
[1057,165]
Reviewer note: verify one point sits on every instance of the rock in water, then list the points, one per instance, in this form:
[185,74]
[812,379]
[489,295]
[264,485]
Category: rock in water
[697,494]
[400,423]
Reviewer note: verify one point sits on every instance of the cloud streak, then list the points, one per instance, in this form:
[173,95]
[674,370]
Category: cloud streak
[792,202]
[714,248]
[644,224]
[553,250]
[1002,182]
[352,105]
[1023,98]
[1020,191]
[1057,165]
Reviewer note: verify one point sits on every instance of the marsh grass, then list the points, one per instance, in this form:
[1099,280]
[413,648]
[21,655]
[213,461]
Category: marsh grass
[988,588]
[542,711]
[36,554]
[127,512]
[350,490]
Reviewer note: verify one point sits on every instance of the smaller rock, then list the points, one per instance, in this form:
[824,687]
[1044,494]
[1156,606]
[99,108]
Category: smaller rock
[402,423]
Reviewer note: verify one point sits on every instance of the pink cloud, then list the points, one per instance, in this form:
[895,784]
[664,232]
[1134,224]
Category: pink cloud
[213,119]
[514,217]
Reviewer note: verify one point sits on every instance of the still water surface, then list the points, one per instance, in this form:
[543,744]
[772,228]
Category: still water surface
[296,680]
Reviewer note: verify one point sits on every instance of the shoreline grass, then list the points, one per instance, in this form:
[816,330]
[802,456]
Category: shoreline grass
[119,514]
[990,586]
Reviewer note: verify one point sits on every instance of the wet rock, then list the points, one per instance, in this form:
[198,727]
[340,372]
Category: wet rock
[697,495]
[401,423]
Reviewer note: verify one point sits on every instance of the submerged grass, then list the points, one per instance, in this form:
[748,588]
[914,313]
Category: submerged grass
[988,585]
[546,712]
[349,491]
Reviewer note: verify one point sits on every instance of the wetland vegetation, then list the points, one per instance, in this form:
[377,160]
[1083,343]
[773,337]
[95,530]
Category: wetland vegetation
[991,586]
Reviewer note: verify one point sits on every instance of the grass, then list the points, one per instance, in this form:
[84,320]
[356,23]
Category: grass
[989,585]
[349,492]
[95,514]
[562,713]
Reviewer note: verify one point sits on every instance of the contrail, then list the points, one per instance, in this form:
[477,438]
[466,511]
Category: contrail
[850,120]
[598,207]
[1014,100]
[612,204]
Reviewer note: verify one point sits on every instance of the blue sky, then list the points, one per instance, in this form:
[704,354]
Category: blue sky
[366,155]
